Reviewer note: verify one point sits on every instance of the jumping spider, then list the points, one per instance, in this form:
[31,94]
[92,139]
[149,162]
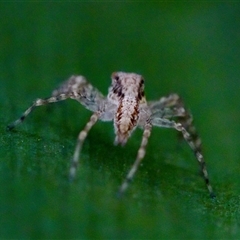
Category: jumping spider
[127,107]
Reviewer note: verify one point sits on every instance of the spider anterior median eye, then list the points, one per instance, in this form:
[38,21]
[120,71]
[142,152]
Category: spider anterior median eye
[116,78]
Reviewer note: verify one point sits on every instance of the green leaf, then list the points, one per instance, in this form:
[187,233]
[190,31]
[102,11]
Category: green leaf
[192,49]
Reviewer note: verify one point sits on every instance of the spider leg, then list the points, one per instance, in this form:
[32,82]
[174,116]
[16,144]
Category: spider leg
[82,91]
[187,136]
[173,106]
[76,87]
[140,156]
[81,137]
[189,139]
[172,101]
[37,103]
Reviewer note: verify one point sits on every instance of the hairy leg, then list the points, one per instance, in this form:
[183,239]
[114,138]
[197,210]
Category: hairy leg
[140,156]
[81,137]
[37,103]
[190,140]
[172,106]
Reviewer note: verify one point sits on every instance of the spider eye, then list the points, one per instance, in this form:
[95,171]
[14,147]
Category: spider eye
[116,77]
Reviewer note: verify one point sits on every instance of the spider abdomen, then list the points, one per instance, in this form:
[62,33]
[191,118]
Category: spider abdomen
[126,119]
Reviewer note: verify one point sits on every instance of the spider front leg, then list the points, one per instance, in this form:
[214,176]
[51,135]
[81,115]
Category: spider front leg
[140,156]
[37,103]
[81,137]
[161,122]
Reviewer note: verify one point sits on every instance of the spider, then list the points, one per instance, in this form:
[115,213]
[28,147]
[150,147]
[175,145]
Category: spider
[127,107]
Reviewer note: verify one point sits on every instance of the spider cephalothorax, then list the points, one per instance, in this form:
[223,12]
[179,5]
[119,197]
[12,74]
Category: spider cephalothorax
[127,107]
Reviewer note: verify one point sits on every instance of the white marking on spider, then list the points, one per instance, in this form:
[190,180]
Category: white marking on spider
[127,107]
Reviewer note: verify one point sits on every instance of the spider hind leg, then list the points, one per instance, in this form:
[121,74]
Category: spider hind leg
[172,107]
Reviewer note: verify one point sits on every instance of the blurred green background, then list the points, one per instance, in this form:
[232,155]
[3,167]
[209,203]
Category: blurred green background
[189,48]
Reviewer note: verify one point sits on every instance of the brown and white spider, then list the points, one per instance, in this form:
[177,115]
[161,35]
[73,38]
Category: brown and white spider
[127,107]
